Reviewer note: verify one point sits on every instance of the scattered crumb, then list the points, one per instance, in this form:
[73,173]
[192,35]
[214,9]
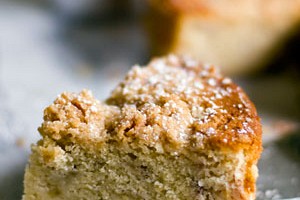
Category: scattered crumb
[20,142]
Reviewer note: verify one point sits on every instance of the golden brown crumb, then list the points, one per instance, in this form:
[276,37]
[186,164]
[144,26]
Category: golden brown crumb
[20,142]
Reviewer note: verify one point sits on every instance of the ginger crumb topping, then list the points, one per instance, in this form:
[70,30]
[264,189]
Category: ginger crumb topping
[173,102]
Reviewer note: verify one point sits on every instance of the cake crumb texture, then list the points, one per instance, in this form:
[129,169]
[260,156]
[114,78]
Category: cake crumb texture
[174,129]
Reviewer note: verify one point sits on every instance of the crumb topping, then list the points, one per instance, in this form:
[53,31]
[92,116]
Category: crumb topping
[77,118]
[174,102]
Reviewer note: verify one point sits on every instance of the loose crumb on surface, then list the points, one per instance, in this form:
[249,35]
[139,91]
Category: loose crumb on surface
[20,142]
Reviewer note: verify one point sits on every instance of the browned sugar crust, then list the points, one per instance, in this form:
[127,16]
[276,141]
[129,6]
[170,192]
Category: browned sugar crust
[174,102]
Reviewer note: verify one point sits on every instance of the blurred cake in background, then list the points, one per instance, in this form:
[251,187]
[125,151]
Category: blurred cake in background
[239,35]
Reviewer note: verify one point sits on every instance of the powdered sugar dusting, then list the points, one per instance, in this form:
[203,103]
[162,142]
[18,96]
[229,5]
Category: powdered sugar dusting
[180,97]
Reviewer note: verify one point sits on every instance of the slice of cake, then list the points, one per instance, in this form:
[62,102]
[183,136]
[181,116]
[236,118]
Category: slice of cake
[239,35]
[175,129]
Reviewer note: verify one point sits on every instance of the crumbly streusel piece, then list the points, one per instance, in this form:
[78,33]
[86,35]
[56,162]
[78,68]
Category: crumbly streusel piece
[175,129]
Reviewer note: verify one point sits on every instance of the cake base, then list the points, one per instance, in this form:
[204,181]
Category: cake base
[118,171]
